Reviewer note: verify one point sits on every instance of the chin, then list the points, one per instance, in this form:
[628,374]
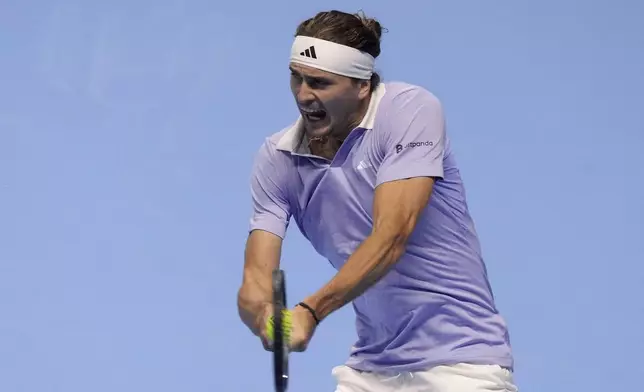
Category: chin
[318,131]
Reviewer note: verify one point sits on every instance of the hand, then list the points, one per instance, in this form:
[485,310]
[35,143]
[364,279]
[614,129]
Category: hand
[303,328]
[262,318]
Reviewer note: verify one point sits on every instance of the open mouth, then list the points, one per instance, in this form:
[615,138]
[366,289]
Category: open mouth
[313,115]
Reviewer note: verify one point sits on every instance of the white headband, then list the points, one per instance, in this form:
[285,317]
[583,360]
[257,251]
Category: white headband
[331,57]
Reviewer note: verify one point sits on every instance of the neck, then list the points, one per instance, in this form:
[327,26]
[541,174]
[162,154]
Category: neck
[328,146]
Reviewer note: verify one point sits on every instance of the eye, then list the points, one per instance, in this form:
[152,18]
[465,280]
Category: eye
[296,77]
[318,83]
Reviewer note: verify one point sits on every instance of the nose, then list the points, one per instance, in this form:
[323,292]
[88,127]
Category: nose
[305,93]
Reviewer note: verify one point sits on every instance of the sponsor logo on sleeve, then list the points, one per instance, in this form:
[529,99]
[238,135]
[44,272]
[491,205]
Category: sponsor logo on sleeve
[400,147]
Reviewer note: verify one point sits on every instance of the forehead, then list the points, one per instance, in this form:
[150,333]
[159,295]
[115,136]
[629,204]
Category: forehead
[313,72]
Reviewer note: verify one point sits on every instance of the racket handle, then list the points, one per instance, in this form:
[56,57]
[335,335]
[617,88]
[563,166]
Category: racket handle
[286,327]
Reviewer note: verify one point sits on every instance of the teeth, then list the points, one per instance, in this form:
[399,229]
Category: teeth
[308,111]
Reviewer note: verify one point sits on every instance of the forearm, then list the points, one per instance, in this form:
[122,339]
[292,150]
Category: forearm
[262,255]
[366,266]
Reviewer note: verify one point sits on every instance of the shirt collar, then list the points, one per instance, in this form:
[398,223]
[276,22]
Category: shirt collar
[290,140]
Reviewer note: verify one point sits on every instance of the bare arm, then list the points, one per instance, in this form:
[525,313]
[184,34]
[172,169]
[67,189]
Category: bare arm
[262,255]
[397,206]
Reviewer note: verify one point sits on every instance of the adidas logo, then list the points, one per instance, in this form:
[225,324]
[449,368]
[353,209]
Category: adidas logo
[310,52]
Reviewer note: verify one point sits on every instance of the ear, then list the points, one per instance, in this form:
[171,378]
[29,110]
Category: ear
[365,88]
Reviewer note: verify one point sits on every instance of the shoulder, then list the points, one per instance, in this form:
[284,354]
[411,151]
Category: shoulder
[400,95]
[406,108]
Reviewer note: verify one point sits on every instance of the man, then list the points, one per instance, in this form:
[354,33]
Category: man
[368,175]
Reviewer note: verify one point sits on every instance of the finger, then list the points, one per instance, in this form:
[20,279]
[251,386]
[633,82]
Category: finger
[268,345]
[296,343]
[297,346]
[266,335]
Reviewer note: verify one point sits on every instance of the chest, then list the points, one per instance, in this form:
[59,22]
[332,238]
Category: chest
[332,201]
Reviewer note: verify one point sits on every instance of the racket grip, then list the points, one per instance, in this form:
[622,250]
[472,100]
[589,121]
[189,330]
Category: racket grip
[286,325]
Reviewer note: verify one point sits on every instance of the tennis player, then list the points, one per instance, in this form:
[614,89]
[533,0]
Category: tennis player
[367,173]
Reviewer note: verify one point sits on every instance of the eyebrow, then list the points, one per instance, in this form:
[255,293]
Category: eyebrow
[298,73]
[319,78]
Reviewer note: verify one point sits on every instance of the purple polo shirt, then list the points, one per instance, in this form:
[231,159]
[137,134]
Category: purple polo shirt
[435,306]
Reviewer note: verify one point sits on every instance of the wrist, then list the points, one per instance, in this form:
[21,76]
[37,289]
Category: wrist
[311,310]
[324,302]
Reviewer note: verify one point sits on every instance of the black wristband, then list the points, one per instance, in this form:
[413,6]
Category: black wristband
[310,309]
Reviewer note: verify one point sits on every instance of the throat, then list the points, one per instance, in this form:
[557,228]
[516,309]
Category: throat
[325,146]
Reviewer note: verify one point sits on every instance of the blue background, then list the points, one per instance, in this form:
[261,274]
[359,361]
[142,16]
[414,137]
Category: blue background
[127,132]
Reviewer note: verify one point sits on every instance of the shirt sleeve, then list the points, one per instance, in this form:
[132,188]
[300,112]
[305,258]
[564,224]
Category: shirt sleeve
[412,137]
[271,210]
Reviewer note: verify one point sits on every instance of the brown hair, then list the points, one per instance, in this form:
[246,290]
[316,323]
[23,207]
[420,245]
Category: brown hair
[354,30]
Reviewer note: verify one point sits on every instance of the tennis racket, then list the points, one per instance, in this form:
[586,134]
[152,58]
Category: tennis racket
[281,329]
